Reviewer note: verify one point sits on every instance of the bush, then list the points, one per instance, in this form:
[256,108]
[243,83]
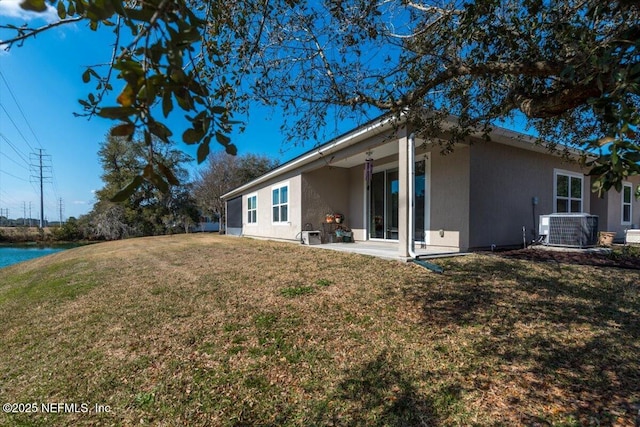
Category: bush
[69,231]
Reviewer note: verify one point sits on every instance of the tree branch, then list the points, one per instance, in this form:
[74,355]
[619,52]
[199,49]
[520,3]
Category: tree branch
[534,69]
[145,29]
[432,9]
[24,33]
[553,104]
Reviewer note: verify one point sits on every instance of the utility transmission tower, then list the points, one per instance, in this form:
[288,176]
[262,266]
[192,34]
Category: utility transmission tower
[61,208]
[41,171]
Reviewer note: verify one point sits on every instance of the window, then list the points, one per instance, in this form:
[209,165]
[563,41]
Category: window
[568,192]
[280,203]
[626,203]
[252,209]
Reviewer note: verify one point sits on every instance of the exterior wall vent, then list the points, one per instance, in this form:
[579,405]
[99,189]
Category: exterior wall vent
[569,230]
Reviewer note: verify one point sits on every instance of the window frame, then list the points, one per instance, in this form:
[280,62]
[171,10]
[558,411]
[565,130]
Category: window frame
[251,209]
[280,205]
[626,185]
[568,198]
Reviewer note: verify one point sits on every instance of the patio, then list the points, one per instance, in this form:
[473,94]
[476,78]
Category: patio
[387,250]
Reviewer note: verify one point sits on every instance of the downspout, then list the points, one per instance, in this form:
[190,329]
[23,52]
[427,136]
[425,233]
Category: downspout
[411,250]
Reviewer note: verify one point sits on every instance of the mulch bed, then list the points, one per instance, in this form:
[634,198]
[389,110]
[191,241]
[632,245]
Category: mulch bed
[599,259]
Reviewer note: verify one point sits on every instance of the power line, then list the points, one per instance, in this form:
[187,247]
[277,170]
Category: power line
[20,109]
[14,176]
[54,182]
[15,149]
[15,125]
[11,159]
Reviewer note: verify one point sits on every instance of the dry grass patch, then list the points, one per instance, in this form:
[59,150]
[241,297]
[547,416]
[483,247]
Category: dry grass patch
[210,330]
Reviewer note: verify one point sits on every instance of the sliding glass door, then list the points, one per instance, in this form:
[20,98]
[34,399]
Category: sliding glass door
[384,200]
[384,192]
[377,208]
[420,186]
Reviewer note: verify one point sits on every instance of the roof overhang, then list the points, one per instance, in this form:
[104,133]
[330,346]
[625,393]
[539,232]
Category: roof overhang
[375,127]
[357,135]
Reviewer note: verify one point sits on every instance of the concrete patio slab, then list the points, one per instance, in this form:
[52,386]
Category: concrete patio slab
[387,250]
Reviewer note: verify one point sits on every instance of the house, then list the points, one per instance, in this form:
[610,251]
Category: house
[479,196]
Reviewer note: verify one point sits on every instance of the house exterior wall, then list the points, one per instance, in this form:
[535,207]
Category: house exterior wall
[481,194]
[609,210]
[505,180]
[449,220]
[326,190]
[265,227]
[600,207]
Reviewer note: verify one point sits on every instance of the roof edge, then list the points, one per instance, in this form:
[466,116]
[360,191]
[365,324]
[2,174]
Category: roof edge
[373,127]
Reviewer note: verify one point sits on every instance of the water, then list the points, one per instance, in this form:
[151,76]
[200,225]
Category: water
[13,254]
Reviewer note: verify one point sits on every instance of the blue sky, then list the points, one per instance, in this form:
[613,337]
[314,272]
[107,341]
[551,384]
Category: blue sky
[44,76]
[40,84]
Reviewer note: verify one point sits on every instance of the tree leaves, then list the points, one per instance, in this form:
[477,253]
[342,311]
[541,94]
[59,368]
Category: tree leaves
[203,151]
[125,129]
[34,5]
[127,191]
[571,68]
[116,113]
[155,68]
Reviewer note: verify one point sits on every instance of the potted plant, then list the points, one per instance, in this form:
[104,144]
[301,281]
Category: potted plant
[606,238]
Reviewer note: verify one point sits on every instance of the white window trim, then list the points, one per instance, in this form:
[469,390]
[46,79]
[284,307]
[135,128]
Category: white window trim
[249,196]
[276,187]
[570,174]
[622,204]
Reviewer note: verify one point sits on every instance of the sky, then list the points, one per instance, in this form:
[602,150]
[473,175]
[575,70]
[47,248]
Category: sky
[40,85]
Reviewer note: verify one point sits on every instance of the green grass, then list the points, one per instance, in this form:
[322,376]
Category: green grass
[207,330]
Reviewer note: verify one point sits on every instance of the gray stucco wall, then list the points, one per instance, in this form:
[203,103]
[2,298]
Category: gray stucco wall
[609,209]
[449,223]
[504,181]
[356,219]
[325,190]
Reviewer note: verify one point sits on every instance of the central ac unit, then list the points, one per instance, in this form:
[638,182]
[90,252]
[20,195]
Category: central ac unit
[571,230]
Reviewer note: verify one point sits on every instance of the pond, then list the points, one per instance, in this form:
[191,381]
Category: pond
[14,254]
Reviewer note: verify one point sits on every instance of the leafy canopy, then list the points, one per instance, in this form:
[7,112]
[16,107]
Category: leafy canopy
[222,174]
[146,210]
[570,68]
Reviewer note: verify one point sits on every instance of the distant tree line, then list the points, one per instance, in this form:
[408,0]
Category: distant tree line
[150,210]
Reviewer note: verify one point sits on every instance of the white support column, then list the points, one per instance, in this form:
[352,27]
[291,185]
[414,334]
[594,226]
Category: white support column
[404,198]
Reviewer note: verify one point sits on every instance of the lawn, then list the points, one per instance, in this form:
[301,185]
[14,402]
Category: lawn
[213,330]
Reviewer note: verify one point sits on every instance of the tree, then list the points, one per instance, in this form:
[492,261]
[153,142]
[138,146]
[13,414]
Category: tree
[224,173]
[158,60]
[183,212]
[69,231]
[107,221]
[570,69]
[146,210]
